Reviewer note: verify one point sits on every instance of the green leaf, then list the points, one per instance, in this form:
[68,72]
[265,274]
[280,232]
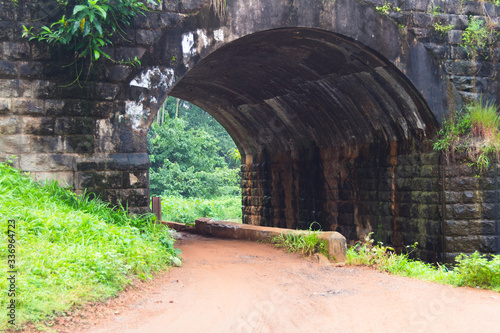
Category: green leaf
[98,27]
[102,12]
[96,54]
[79,8]
[86,29]
[75,27]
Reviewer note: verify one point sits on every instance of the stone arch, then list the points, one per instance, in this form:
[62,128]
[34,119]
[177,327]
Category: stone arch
[173,51]
[377,88]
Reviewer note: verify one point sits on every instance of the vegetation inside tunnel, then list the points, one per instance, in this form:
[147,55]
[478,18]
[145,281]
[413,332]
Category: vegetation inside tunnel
[195,165]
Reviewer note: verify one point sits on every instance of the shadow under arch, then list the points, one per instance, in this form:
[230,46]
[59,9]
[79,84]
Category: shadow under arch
[286,89]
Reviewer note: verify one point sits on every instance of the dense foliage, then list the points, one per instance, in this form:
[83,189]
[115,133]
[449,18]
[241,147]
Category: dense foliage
[187,210]
[190,154]
[71,249]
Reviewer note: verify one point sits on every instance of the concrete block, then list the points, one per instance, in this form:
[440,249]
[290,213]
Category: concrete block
[337,245]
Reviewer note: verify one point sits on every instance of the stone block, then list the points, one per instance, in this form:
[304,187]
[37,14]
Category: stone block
[74,126]
[470,197]
[456,228]
[30,69]
[464,183]
[32,107]
[8,69]
[15,88]
[106,91]
[486,183]
[55,72]
[489,212]
[16,50]
[44,89]
[433,227]
[68,108]
[118,72]
[108,179]
[463,211]
[422,20]
[93,163]
[105,110]
[15,144]
[84,180]
[491,196]
[129,53]
[148,37]
[482,227]
[461,244]
[478,8]
[416,5]
[487,244]
[422,34]
[38,125]
[137,179]
[6,31]
[75,92]
[5,106]
[46,162]
[9,125]
[40,52]
[47,144]
[64,179]
[430,197]
[117,162]
[455,36]
[134,197]
[82,144]
[169,19]
[138,161]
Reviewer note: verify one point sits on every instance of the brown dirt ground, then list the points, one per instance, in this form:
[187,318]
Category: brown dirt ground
[242,286]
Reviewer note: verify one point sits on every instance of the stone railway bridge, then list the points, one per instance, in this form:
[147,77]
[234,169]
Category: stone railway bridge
[331,103]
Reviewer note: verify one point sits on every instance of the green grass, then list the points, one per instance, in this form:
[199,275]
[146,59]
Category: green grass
[187,210]
[306,243]
[474,132]
[70,250]
[474,270]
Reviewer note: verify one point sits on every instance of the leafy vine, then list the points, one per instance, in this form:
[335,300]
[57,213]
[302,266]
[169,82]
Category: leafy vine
[86,27]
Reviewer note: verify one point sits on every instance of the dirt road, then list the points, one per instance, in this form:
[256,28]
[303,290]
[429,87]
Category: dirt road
[240,286]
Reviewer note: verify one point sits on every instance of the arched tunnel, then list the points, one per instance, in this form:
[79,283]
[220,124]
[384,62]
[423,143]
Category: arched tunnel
[319,120]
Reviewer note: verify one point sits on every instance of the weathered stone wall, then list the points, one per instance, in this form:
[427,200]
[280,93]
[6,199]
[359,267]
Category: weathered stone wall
[401,193]
[471,209]
[472,76]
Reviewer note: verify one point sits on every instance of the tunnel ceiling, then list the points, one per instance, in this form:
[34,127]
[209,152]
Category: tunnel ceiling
[288,89]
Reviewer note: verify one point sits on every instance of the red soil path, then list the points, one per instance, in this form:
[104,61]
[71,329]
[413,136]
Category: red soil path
[242,286]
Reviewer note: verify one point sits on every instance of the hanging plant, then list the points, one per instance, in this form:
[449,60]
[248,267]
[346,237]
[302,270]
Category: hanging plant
[86,28]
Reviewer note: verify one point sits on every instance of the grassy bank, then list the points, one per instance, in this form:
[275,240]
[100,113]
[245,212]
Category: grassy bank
[187,210]
[70,250]
[473,270]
